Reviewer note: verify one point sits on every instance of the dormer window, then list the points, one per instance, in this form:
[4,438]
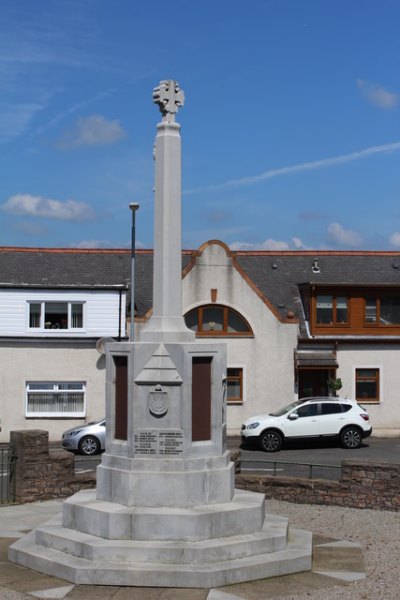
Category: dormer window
[331,310]
[355,310]
[383,310]
[55,315]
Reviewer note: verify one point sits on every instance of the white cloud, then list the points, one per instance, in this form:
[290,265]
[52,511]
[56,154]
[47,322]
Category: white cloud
[339,236]
[298,244]
[268,244]
[95,130]
[378,95]
[395,239]
[308,166]
[25,205]
[92,244]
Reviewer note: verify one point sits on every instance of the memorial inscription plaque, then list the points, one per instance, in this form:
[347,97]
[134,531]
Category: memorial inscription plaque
[154,442]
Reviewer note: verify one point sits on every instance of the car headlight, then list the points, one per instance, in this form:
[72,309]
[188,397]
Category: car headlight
[253,425]
[71,433]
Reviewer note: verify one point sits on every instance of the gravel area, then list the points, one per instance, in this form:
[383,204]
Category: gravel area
[378,532]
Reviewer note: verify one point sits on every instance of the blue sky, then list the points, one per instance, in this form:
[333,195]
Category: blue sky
[290,129]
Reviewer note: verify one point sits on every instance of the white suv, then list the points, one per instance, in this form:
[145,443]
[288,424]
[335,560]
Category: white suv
[310,418]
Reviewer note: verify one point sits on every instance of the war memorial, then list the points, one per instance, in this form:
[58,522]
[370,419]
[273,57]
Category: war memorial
[165,511]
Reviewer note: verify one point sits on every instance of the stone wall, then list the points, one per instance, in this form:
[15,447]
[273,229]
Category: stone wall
[367,484]
[42,474]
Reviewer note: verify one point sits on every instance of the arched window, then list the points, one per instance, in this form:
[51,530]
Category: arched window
[216,319]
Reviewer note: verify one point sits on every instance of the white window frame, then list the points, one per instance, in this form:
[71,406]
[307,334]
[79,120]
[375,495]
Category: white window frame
[244,384]
[56,331]
[55,389]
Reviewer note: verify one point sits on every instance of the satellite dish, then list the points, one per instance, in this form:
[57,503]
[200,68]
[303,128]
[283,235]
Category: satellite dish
[101,344]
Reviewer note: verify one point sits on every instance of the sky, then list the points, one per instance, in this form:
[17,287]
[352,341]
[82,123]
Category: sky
[290,128]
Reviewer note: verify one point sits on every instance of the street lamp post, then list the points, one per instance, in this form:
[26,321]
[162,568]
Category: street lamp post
[134,206]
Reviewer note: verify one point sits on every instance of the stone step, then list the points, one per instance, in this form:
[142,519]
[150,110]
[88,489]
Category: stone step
[295,558]
[244,514]
[271,538]
[338,556]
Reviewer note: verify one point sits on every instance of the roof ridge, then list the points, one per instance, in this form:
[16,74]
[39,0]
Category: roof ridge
[80,250]
[317,252]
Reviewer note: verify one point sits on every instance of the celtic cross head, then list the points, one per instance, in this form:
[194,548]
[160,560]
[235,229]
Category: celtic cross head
[169,98]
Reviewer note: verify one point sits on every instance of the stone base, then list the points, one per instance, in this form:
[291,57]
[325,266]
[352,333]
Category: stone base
[225,544]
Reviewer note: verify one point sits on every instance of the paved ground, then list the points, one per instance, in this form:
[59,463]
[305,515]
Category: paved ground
[336,564]
[324,453]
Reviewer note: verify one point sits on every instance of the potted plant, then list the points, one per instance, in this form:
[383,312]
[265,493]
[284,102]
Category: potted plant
[334,385]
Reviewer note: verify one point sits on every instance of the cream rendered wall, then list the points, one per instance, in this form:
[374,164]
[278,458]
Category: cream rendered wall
[43,361]
[385,416]
[268,357]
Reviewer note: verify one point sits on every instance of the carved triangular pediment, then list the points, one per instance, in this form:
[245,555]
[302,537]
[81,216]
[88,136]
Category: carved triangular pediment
[159,369]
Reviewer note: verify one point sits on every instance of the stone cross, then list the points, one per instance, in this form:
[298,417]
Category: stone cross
[169,98]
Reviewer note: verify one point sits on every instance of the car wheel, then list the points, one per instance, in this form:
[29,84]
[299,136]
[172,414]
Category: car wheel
[351,438]
[271,441]
[89,445]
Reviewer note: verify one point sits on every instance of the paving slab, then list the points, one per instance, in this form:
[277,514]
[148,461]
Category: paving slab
[336,562]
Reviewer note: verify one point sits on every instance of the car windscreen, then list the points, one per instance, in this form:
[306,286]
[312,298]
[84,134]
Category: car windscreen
[285,409]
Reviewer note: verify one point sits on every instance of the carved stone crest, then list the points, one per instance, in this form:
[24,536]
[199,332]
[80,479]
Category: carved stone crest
[169,97]
[158,401]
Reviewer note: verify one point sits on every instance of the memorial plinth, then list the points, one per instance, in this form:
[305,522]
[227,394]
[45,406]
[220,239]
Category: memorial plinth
[165,512]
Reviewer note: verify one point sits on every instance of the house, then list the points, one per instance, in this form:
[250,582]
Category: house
[292,321]
[54,307]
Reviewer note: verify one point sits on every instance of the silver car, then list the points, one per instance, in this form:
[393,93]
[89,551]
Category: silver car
[86,439]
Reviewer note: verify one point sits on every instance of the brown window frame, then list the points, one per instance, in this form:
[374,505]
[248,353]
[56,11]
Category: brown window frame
[225,320]
[357,298]
[377,323]
[375,379]
[235,378]
[335,322]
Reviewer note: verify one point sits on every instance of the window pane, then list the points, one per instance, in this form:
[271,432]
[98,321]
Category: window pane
[366,389]
[370,310]
[44,398]
[366,373]
[233,390]
[56,315]
[213,319]
[76,315]
[34,315]
[341,309]
[309,410]
[324,309]
[192,320]
[70,386]
[367,384]
[390,311]
[40,386]
[330,408]
[234,385]
[235,322]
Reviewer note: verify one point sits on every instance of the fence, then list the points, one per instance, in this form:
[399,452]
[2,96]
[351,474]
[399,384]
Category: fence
[366,484]
[8,460]
[292,469]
